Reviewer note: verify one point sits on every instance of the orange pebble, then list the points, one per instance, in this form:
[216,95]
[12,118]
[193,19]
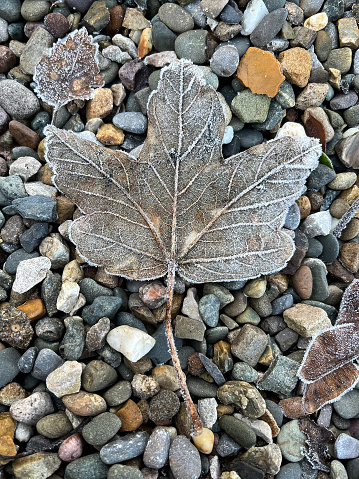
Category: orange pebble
[34,308]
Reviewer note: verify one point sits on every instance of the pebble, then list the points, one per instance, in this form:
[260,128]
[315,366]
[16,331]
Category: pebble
[244,396]
[126,447]
[238,430]
[254,13]
[36,208]
[46,362]
[118,393]
[268,28]
[250,107]
[91,289]
[54,425]
[249,345]
[224,61]
[84,403]
[346,447]
[17,100]
[341,101]
[31,409]
[156,452]
[209,309]
[184,459]
[339,59]
[281,376]
[71,448]
[347,406]
[347,150]
[68,296]
[35,49]
[66,379]
[101,429]
[317,224]
[296,64]
[102,306]
[41,464]
[82,467]
[302,282]
[30,272]
[255,288]
[131,342]
[192,46]
[348,32]
[306,320]
[132,122]
[313,95]
[175,18]
[291,441]
[118,471]
[163,38]
[163,406]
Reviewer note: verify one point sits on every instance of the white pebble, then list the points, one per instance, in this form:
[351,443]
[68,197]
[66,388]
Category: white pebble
[291,129]
[30,272]
[254,13]
[25,167]
[68,296]
[317,224]
[131,342]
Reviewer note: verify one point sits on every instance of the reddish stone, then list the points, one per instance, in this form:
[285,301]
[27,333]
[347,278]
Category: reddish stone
[153,294]
[302,282]
[7,59]
[116,18]
[339,272]
[57,24]
[71,448]
[293,407]
[24,135]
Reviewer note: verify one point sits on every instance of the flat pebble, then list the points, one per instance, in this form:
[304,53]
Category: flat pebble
[156,453]
[133,122]
[66,379]
[346,447]
[238,430]
[101,429]
[84,403]
[30,272]
[82,467]
[291,441]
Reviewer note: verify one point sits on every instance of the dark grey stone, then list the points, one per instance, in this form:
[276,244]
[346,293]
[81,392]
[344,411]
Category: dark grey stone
[16,257]
[27,360]
[103,306]
[127,447]
[50,289]
[74,340]
[160,353]
[87,467]
[268,27]
[32,237]
[45,362]
[91,289]
[38,208]
[9,369]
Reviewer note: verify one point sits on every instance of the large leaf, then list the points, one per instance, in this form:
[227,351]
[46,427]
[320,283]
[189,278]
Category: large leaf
[180,206]
[70,71]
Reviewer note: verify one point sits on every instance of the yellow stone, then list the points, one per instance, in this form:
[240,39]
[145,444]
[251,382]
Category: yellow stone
[166,377]
[260,72]
[7,447]
[145,45]
[317,22]
[351,194]
[7,425]
[110,135]
[348,32]
[72,272]
[335,78]
[130,415]
[101,104]
[34,308]
[65,209]
[204,442]
[41,149]
[296,64]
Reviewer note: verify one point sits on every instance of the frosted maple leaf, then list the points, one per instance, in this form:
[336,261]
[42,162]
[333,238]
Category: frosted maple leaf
[180,208]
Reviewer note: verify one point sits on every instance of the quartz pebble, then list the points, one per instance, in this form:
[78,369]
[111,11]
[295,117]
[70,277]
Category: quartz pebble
[66,379]
[131,342]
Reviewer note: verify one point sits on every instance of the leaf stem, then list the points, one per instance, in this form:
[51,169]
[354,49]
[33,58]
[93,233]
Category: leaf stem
[192,411]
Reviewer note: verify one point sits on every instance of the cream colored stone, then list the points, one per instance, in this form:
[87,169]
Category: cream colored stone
[72,272]
[131,342]
[66,379]
[317,22]
[204,442]
[306,320]
[68,296]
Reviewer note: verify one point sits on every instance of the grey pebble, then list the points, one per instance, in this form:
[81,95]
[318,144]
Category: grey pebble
[119,471]
[201,388]
[156,453]
[9,358]
[348,406]
[163,38]
[101,429]
[321,176]
[103,306]
[17,100]
[175,18]
[32,237]
[38,208]
[46,362]
[12,187]
[87,467]
[31,409]
[346,447]
[27,360]
[16,257]
[330,248]
[74,340]
[212,369]
[192,46]
[290,471]
[133,122]
[91,289]
[50,289]
[224,61]
[227,446]
[184,459]
[98,375]
[238,430]
[279,305]
[268,27]
[244,372]
[320,283]
[280,377]
[160,354]
[209,309]
[315,248]
[10,10]
[341,101]
[292,219]
[126,447]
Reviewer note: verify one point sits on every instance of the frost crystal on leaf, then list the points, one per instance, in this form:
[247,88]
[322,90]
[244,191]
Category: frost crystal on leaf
[69,72]
[327,368]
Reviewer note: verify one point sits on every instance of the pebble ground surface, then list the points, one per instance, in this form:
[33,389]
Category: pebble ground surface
[88,408]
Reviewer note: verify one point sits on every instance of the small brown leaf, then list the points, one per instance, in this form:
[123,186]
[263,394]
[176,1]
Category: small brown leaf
[69,72]
[318,440]
[315,129]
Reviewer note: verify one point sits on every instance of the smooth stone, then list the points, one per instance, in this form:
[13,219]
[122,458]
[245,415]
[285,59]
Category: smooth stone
[126,447]
[348,406]
[184,459]
[17,100]
[192,46]
[9,369]
[87,467]
[31,409]
[175,18]
[133,122]
[291,441]
[98,375]
[251,107]
[317,224]
[131,342]
[346,447]
[254,13]
[54,425]
[101,429]
[209,309]
[238,430]
[268,28]
[91,289]
[35,466]
[119,471]
[36,48]
[156,453]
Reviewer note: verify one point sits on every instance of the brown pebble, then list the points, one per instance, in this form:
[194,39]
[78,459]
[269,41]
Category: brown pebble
[269,419]
[71,448]
[7,59]
[293,407]
[195,365]
[116,18]
[145,45]
[65,209]
[12,392]
[224,409]
[296,64]
[101,104]
[130,415]
[351,230]
[153,294]
[339,272]
[24,135]
[34,308]
[349,256]
[144,407]
[304,206]
[84,403]
[110,135]
[302,282]
[57,24]
[316,200]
